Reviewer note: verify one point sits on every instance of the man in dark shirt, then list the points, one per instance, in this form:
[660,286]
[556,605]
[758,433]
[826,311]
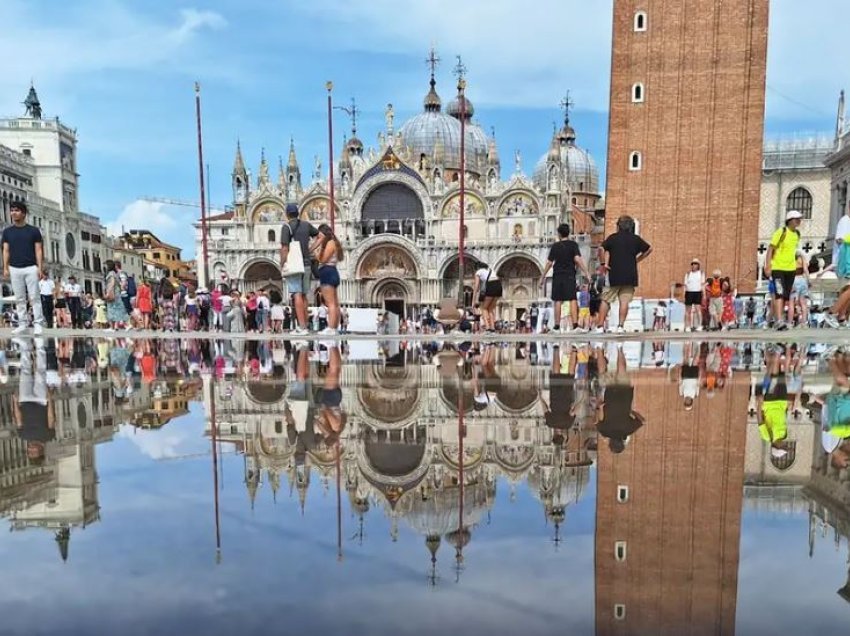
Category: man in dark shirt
[23,256]
[32,409]
[564,258]
[619,421]
[620,254]
[297,284]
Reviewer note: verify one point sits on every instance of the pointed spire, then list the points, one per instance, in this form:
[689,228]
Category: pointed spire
[492,151]
[263,177]
[567,134]
[281,174]
[239,163]
[840,120]
[293,160]
[63,538]
[432,100]
[32,104]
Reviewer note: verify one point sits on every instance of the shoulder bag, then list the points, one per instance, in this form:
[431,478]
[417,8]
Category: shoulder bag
[294,265]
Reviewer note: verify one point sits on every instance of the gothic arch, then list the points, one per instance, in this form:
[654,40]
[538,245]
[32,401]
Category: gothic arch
[518,255]
[374,243]
[314,202]
[271,204]
[450,260]
[371,182]
[512,192]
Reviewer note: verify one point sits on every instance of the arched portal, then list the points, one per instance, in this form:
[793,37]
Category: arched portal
[391,295]
[392,208]
[450,275]
[520,276]
[262,274]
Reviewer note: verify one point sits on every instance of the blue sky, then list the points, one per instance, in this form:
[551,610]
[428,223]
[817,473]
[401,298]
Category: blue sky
[122,72]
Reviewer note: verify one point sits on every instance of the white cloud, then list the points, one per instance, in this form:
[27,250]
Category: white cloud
[170,223]
[95,37]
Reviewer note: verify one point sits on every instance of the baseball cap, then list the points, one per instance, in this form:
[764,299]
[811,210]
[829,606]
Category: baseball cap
[695,260]
[793,214]
[292,209]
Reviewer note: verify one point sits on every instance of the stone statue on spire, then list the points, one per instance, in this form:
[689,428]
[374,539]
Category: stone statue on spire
[32,104]
[390,117]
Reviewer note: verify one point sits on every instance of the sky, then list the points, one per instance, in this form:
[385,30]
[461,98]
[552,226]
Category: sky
[122,73]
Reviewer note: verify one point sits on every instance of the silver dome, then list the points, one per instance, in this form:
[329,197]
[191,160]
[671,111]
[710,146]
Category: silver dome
[581,172]
[421,132]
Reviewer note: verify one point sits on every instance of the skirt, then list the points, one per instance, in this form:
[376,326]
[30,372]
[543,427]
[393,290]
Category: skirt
[168,315]
[115,311]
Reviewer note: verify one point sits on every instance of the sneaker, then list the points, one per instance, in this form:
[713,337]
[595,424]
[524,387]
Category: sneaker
[329,332]
[782,326]
[299,331]
[699,328]
[19,330]
[831,321]
[579,330]
[599,330]
[621,329]
[37,330]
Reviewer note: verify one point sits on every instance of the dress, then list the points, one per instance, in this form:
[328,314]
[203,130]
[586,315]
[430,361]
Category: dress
[168,314]
[143,299]
[277,312]
[728,315]
[115,309]
[99,311]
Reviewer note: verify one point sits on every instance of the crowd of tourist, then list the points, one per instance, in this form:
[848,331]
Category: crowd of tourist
[310,255]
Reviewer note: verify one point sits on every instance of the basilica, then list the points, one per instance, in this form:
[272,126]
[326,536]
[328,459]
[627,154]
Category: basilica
[397,211]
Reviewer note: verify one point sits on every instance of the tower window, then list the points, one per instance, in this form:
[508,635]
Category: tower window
[622,494]
[620,612]
[271,236]
[801,200]
[635,161]
[637,93]
[640,21]
[620,551]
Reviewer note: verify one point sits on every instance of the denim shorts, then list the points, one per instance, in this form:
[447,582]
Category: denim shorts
[300,283]
[329,276]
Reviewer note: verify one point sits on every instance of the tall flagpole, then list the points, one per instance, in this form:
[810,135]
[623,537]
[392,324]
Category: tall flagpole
[461,85]
[203,189]
[330,85]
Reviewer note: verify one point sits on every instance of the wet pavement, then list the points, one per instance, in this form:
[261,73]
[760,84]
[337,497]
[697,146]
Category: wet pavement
[365,487]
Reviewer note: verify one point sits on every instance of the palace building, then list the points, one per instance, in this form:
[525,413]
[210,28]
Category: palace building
[397,210]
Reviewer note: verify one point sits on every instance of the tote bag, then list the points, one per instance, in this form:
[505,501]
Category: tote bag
[294,265]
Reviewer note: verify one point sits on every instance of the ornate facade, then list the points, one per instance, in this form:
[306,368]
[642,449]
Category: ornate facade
[397,211]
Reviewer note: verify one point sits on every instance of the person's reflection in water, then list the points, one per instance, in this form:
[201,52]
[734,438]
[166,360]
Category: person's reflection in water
[330,418]
[33,406]
[835,411]
[772,399]
[484,377]
[618,420]
[560,410]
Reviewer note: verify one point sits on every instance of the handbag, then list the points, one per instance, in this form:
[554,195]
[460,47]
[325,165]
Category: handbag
[294,264]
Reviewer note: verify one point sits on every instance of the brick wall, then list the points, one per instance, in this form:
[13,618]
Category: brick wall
[699,129]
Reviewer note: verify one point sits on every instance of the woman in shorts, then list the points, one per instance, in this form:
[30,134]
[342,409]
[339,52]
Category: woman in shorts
[694,284]
[329,252]
[487,288]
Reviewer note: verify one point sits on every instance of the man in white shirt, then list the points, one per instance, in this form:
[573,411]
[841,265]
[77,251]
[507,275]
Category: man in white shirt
[73,295]
[46,289]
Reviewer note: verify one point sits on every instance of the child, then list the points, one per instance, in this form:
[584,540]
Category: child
[727,316]
[100,313]
[584,307]
[660,322]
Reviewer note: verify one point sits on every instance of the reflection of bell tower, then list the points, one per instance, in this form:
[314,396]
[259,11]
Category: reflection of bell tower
[668,512]
[239,179]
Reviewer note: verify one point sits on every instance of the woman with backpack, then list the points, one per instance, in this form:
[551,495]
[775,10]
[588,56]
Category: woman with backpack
[487,288]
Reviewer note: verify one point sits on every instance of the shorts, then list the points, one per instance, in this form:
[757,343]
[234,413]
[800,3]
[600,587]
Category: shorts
[493,289]
[328,276]
[693,298]
[594,306]
[800,289]
[583,312]
[300,283]
[331,397]
[715,306]
[563,288]
[623,293]
[784,283]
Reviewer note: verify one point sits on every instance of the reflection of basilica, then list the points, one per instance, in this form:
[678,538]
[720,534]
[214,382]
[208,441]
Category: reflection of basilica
[397,208]
[401,450]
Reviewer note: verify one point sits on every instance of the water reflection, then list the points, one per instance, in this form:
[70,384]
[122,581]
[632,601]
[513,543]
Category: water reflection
[670,446]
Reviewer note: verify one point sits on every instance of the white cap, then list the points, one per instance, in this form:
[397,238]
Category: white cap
[793,214]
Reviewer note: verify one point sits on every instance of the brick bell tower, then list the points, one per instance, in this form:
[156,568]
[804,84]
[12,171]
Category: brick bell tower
[685,134]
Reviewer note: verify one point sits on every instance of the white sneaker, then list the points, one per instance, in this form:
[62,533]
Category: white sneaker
[37,330]
[579,330]
[699,328]
[621,329]
[329,332]
[19,330]
[831,321]
[599,330]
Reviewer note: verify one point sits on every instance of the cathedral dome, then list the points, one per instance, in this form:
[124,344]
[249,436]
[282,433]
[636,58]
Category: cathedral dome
[453,108]
[422,132]
[580,169]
